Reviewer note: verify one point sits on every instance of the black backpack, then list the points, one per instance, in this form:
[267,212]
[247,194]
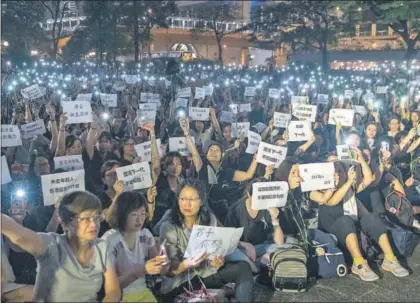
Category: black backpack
[399,209]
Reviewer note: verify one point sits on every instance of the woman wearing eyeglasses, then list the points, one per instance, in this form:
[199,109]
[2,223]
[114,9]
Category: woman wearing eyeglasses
[127,151]
[74,265]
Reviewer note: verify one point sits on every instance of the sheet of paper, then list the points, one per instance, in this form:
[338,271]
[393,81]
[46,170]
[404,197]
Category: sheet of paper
[271,154]
[84,97]
[316,176]
[69,163]
[274,93]
[109,99]
[343,116]
[249,91]
[32,129]
[78,112]
[199,113]
[135,176]
[144,150]
[254,140]
[200,93]
[10,135]
[183,92]
[269,194]
[281,119]
[179,144]
[304,112]
[54,186]
[299,131]
[32,92]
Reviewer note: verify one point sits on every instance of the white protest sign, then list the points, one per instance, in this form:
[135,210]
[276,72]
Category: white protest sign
[66,99]
[199,93]
[401,80]
[135,176]
[300,99]
[84,97]
[281,119]
[199,113]
[109,99]
[322,99]
[234,108]
[179,144]
[227,117]
[212,240]
[271,154]
[144,150]
[118,86]
[343,116]
[254,140]
[240,129]
[55,186]
[183,92]
[208,90]
[10,136]
[266,195]
[299,131]
[348,94]
[181,102]
[369,97]
[316,176]
[274,93]
[32,129]
[148,106]
[32,92]
[360,109]
[69,163]
[246,107]
[304,112]
[131,79]
[381,89]
[78,112]
[146,115]
[5,173]
[249,91]
[343,152]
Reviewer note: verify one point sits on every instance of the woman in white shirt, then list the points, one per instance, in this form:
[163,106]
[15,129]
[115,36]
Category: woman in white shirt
[133,247]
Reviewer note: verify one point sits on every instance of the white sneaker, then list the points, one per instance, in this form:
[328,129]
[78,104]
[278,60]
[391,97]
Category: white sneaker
[416,224]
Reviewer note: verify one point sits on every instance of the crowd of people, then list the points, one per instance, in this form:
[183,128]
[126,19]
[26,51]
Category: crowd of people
[109,242]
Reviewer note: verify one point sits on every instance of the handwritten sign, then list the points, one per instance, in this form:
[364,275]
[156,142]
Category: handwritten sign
[316,176]
[78,112]
[84,97]
[183,92]
[246,107]
[254,140]
[109,99]
[135,176]
[227,117]
[274,93]
[10,136]
[32,129]
[181,102]
[322,99]
[381,89]
[146,114]
[343,116]
[69,163]
[199,93]
[240,129]
[179,144]
[199,113]
[304,112]
[32,92]
[212,240]
[54,186]
[5,172]
[144,150]
[281,119]
[348,94]
[249,91]
[234,108]
[208,90]
[131,79]
[266,195]
[343,152]
[360,109]
[300,99]
[271,154]
[299,131]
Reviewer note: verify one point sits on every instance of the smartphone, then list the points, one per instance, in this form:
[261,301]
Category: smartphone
[385,145]
[162,251]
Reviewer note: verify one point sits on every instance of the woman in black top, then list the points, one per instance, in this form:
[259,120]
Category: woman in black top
[127,151]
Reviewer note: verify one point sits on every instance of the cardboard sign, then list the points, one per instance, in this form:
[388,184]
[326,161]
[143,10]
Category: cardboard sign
[32,92]
[281,119]
[274,93]
[254,140]
[135,176]
[360,109]
[109,99]
[199,113]
[32,129]
[304,112]
[246,107]
[78,112]
[249,91]
[299,131]
[181,102]
[348,94]
[227,117]
[271,154]
[322,99]
[381,89]
[179,144]
[208,90]
[343,116]
[55,186]
[240,129]
[266,195]
[199,93]
[84,97]
[144,150]
[5,172]
[69,163]
[183,92]
[343,152]
[10,136]
[300,99]
[316,176]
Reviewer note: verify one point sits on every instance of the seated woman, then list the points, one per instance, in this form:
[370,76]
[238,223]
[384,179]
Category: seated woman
[192,209]
[133,246]
[72,266]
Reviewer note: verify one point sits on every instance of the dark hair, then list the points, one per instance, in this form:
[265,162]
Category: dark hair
[394,118]
[399,136]
[33,157]
[170,156]
[125,203]
[224,125]
[70,139]
[248,185]
[122,144]
[74,203]
[282,173]
[106,135]
[107,166]
[203,213]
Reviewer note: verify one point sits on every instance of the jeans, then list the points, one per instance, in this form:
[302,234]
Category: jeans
[260,250]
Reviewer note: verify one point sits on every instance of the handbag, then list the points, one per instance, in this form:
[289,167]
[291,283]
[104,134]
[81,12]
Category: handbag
[399,209]
[403,241]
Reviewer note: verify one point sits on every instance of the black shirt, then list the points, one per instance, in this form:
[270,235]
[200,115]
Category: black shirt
[165,198]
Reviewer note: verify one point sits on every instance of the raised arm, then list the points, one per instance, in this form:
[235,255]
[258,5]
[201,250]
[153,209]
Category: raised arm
[54,129]
[267,130]
[303,148]
[92,136]
[404,142]
[198,162]
[155,151]
[338,128]
[214,122]
[61,144]
[240,176]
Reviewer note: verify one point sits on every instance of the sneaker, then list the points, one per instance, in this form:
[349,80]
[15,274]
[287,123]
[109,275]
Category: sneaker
[395,268]
[416,224]
[364,272]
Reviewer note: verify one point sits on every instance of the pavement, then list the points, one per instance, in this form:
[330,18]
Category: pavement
[351,289]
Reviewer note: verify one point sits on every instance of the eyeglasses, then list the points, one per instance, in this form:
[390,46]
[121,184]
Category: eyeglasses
[130,144]
[138,215]
[188,199]
[95,218]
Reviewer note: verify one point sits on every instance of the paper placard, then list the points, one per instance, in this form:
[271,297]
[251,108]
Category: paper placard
[199,93]
[146,115]
[10,135]
[343,152]
[5,173]
[131,79]
[271,154]
[266,195]
[246,107]
[54,186]
[148,106]
[199,113]
[183,92]
[118,86]
[227,117]
[240,129]
[343,116]
[254,140]
[32,129]
[181,102]
[84,97]
[212,240]
[32,92]
[360,109]
[300,99]
[401,80]
[69,163]
[304,112]
[369,97]
[249,91]
[281,119]
[109,99]
[381,89]
[348,94]
[322,99]
[66,99]
[179,144]
[208,90]
[259,127]
[144,150]
[78,112]
[135,176]
[316,176]
[299,131]
[234,108]
[274,93]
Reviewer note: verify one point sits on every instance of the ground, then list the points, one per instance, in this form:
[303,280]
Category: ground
[351,289]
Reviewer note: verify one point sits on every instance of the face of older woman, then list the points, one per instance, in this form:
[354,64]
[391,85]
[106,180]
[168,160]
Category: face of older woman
[86,225]
[189,202]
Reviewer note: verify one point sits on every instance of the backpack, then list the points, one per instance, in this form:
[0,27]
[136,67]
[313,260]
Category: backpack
[403,241]
[330,262]
[399,209]
[288,269]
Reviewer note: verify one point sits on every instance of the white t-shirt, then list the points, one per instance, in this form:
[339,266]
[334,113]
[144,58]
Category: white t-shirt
[124,257]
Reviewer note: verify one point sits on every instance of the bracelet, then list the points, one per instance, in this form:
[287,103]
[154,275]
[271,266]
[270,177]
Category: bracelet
[276,223]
